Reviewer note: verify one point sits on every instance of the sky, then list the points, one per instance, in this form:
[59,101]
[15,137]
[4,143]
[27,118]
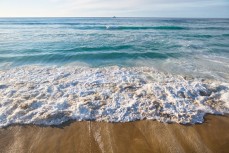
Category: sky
[119,8]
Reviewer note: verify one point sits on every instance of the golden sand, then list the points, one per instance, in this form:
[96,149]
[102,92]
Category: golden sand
[135,137]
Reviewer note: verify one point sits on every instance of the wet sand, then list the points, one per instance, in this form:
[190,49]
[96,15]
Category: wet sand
[135,137]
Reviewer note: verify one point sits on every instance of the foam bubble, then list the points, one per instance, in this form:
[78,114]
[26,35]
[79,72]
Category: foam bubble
[52,95]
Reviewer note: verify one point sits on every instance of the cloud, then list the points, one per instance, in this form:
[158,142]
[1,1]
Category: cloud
[176,8]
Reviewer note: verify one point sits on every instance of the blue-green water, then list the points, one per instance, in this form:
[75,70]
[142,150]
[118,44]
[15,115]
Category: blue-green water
[173,44]
[112,69]
[108,41]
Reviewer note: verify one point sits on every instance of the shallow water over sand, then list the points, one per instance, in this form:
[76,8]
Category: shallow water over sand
[53,95]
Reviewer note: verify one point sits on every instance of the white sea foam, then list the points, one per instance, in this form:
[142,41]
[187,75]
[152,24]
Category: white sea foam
[53,95]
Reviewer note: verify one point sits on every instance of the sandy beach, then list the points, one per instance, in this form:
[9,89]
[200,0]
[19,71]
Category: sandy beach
[123,85]
[134,137]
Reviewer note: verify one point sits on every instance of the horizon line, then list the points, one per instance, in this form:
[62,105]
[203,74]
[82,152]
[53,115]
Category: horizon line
[113,16]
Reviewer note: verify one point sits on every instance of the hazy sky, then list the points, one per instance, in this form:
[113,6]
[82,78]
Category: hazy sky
[103,8]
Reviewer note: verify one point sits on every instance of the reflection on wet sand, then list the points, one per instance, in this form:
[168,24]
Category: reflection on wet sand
[133,137]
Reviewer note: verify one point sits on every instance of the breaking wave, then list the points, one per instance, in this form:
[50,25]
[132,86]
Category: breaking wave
[46,95]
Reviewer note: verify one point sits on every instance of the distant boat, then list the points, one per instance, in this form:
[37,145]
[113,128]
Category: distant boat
[114,16]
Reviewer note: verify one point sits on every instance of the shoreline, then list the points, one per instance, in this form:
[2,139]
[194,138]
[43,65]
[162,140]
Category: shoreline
[140,136]
[72,121]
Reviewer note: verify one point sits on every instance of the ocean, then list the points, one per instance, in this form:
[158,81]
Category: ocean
[53,70]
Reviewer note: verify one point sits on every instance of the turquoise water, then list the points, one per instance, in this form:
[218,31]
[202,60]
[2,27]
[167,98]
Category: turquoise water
[189,46]
[114,41]
[112,69]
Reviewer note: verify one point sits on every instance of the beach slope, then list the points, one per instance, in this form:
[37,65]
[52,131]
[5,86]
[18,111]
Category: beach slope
[134,137]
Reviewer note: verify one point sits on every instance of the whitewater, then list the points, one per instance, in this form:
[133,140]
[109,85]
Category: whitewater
[54,70]
[53,95]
